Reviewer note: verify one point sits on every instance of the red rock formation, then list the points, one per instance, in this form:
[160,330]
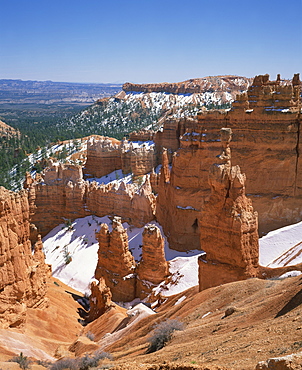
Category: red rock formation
[105,156]
[266,144]
[22,275]
[233,84]
[153,267]
[228,226]
[61,195]
[115,262]
[28,180]
[7,132]
[141,135]
[183,189]
[100,299]
[64,194]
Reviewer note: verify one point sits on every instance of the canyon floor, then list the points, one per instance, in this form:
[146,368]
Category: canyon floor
[266,323]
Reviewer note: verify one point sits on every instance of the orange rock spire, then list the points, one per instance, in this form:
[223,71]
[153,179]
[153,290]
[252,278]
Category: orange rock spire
[228,226]
[153,268]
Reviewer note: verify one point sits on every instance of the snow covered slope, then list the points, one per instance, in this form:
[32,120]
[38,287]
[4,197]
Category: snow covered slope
[72,251]
[282,247]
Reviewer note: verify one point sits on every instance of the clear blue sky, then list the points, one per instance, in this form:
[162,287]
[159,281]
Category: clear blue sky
[148,40]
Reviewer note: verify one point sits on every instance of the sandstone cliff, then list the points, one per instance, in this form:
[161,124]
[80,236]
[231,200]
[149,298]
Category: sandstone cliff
[231,84]
[229,227]
[22,274]
[104,155]
[266,145]
[63,194]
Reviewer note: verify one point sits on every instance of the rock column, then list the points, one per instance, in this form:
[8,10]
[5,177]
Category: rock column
[228,225]
[115,262]
[153,268]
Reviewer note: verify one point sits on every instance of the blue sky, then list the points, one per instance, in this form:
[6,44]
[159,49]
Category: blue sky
[148,40]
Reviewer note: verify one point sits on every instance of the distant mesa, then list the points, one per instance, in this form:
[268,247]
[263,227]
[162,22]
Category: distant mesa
[194,86]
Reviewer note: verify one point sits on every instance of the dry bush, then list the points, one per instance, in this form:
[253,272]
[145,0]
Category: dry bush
[163,333]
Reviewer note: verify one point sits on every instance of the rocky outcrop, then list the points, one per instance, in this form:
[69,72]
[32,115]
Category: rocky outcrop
[153,267]
[63,194]
[142,135]
[23,275]
[115,262]
[289,362]
[116,266]
[60,195]
[7,132]
[105,155]
[230,84]
[100,299]
[228,226]
[183,189]
[267,141]
[266,145]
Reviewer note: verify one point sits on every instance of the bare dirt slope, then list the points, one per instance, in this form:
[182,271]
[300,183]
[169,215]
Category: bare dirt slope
[266,322]
[48,331]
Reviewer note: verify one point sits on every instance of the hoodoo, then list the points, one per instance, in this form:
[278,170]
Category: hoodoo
[153,268]
[228,226]
[115,262]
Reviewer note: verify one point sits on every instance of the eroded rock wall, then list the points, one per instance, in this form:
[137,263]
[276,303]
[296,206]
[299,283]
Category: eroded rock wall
[267,142]
[63,194]
[105,155]
[23,275]
[230,84]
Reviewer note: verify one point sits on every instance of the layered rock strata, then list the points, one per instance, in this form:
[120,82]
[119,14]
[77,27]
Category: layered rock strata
[63,194]
[228,226]
[23,275]
[182,190]
[267,146]
[115,262]
[153,267]
[118,269]
[104,155]
[230,84]
[267,143]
